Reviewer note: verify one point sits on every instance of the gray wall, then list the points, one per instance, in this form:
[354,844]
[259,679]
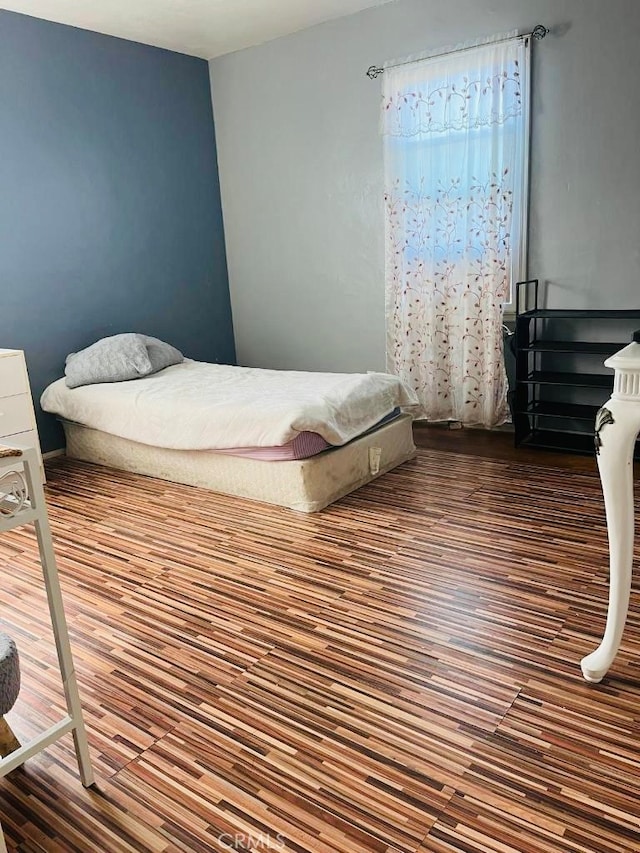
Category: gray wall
[301,169]
[110,214]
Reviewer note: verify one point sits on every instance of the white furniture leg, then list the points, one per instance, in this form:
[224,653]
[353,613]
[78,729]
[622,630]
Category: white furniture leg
[59,623]
[22,502]
[617,426]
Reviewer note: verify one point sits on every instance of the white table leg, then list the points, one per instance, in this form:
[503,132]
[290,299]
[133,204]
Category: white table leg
[24,503]
[58,620]
[615,461]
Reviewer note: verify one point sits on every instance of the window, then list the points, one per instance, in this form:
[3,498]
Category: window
[461,127]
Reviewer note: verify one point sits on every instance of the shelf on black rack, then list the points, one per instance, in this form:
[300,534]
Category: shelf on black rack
[585,380]
[569,442]
[571,411]
[581,314]
[574,346]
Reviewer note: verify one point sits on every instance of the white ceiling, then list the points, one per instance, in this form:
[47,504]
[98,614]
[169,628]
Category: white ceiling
[205,28]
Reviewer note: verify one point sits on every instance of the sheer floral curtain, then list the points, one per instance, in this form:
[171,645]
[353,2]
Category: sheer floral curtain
[454,146]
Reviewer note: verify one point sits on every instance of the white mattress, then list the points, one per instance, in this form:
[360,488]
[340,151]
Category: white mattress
[307,485]
[198,406]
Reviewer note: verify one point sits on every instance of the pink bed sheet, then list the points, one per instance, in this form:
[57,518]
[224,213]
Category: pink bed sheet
[305,444]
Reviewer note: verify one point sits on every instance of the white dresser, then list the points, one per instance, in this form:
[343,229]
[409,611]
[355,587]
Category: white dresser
[17,418]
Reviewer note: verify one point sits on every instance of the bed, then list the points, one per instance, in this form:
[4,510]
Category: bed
[295,439]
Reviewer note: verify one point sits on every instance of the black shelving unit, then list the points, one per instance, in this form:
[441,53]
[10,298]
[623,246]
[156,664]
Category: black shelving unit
[560,378]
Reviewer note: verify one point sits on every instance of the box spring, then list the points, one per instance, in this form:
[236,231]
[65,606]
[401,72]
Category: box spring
[306,485]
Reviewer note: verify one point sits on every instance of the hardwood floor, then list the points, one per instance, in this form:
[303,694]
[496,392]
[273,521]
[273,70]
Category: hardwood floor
[397,673]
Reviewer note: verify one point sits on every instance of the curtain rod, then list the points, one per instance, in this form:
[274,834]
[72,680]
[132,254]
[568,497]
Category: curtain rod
[538,32]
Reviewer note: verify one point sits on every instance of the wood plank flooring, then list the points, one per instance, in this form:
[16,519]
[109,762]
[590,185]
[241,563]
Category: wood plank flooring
[397,673]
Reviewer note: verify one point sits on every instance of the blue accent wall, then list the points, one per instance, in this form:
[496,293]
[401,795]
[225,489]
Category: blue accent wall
[110,217]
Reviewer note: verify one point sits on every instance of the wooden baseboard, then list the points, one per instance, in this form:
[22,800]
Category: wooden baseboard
[51,454]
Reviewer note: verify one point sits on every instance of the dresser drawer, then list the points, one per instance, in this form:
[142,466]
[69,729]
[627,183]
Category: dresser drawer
[22,439]
[15,414]
[13,379]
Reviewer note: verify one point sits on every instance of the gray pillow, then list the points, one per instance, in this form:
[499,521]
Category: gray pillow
[160,354]
[114,359]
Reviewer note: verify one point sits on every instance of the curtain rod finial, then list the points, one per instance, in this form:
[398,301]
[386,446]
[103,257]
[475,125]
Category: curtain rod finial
[373,71]
[540,31]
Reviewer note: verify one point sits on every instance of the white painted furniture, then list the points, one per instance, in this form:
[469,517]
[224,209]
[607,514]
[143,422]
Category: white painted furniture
[22,502]
[617,426]
[17,417]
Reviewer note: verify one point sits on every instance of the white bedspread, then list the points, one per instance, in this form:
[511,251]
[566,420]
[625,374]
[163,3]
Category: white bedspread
[198,406]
